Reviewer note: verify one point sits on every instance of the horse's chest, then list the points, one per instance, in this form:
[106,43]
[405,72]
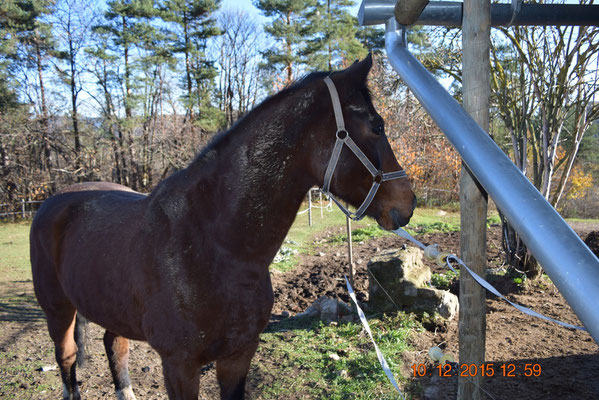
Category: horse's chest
[237,299]
[244,299]
[226,316]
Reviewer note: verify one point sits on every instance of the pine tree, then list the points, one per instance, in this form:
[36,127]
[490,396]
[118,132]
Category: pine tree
[29,47]
[194,26]
[13,19]
[333,41]
[127,26]
[372,38]
[72,23]
[290,29]
[133,42]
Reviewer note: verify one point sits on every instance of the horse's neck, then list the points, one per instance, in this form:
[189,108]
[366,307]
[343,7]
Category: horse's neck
[259,176]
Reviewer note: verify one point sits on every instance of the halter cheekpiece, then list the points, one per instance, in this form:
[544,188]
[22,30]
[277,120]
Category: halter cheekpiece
[343,138]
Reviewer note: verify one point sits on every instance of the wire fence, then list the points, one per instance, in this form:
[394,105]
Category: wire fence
[21,210]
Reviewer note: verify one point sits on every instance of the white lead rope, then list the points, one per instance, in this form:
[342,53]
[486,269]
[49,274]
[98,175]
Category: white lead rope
[379,355]
[432,252]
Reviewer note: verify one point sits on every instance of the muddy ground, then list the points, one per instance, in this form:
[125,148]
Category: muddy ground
[568,359]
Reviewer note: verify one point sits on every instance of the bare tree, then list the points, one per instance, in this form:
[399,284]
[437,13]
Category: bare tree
[238,50]
[544,82]
[72,21]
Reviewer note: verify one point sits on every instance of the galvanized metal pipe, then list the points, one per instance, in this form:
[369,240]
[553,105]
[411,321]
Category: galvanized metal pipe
[570,264]
[449,13]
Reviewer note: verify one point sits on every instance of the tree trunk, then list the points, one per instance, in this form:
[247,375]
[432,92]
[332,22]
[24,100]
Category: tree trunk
[44,110]
[128,111]
[74,112]
[188,68]
[516,252]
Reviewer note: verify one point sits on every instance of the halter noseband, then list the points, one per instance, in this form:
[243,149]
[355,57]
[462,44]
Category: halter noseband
[343,138]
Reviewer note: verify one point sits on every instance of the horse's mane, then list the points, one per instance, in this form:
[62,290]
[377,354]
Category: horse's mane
[293,86]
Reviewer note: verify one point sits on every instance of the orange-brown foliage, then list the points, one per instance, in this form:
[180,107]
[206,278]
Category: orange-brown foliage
[431,163]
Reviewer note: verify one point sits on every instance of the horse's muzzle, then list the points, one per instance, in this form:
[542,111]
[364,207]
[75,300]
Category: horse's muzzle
[399,219]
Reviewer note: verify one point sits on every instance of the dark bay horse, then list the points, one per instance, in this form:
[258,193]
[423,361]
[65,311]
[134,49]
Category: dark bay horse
[185,268]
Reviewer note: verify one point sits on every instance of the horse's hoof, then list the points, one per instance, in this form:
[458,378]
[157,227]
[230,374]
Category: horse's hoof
[125,394]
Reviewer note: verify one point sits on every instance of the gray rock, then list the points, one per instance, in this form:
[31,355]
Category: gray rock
[328,310]
[404,278]
[433,301]
[401,272]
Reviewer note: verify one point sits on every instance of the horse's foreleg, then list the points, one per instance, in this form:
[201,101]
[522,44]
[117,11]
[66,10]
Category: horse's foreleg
[232,372]
[61,326]
[117,350]
[181,378]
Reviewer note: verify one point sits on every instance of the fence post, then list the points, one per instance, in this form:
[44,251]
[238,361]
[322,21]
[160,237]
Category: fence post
[321,206]
[23,208]
[310,207]
[476,28]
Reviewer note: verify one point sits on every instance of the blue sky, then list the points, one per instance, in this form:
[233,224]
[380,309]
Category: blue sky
[249,7]
[242,5]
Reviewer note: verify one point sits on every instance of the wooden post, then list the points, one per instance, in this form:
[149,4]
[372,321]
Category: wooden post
[310,207]
[23,208]
[407,12]
[473,199]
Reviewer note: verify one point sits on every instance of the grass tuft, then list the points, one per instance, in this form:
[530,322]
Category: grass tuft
[335,361]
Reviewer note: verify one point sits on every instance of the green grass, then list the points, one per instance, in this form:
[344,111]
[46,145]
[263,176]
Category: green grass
[589,220]
[301,235]
[444,281]
[335,361]
[425,216]
[360,234]
[493,219]
[300,239]
[14,251]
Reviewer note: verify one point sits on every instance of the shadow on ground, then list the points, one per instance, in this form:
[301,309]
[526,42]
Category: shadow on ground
[18,302]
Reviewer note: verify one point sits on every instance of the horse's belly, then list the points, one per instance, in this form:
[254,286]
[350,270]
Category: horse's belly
[103,291]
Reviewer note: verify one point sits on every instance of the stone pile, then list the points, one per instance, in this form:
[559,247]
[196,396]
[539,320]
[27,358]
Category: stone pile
[398,279]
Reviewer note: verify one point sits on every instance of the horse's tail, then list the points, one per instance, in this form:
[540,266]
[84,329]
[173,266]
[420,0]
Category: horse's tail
[81,328]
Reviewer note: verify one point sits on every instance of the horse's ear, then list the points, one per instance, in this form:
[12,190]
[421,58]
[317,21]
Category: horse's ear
[358,71]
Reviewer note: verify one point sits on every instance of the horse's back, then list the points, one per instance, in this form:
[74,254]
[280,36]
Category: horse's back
[69,207]
[60,208]
[95,186]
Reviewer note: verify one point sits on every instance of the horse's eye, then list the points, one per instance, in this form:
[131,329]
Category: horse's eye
[379,129]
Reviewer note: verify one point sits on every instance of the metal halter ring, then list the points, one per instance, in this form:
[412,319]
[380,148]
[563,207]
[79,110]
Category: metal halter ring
[343,138]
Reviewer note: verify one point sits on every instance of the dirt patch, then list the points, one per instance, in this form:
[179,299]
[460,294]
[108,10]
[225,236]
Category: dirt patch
[583,228]
[569,360]
[592,241]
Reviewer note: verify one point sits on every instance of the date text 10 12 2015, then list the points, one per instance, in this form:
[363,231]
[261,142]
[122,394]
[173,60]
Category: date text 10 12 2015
[508,370]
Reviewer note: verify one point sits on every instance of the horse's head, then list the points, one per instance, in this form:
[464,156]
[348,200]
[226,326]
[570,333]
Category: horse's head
[366,174]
